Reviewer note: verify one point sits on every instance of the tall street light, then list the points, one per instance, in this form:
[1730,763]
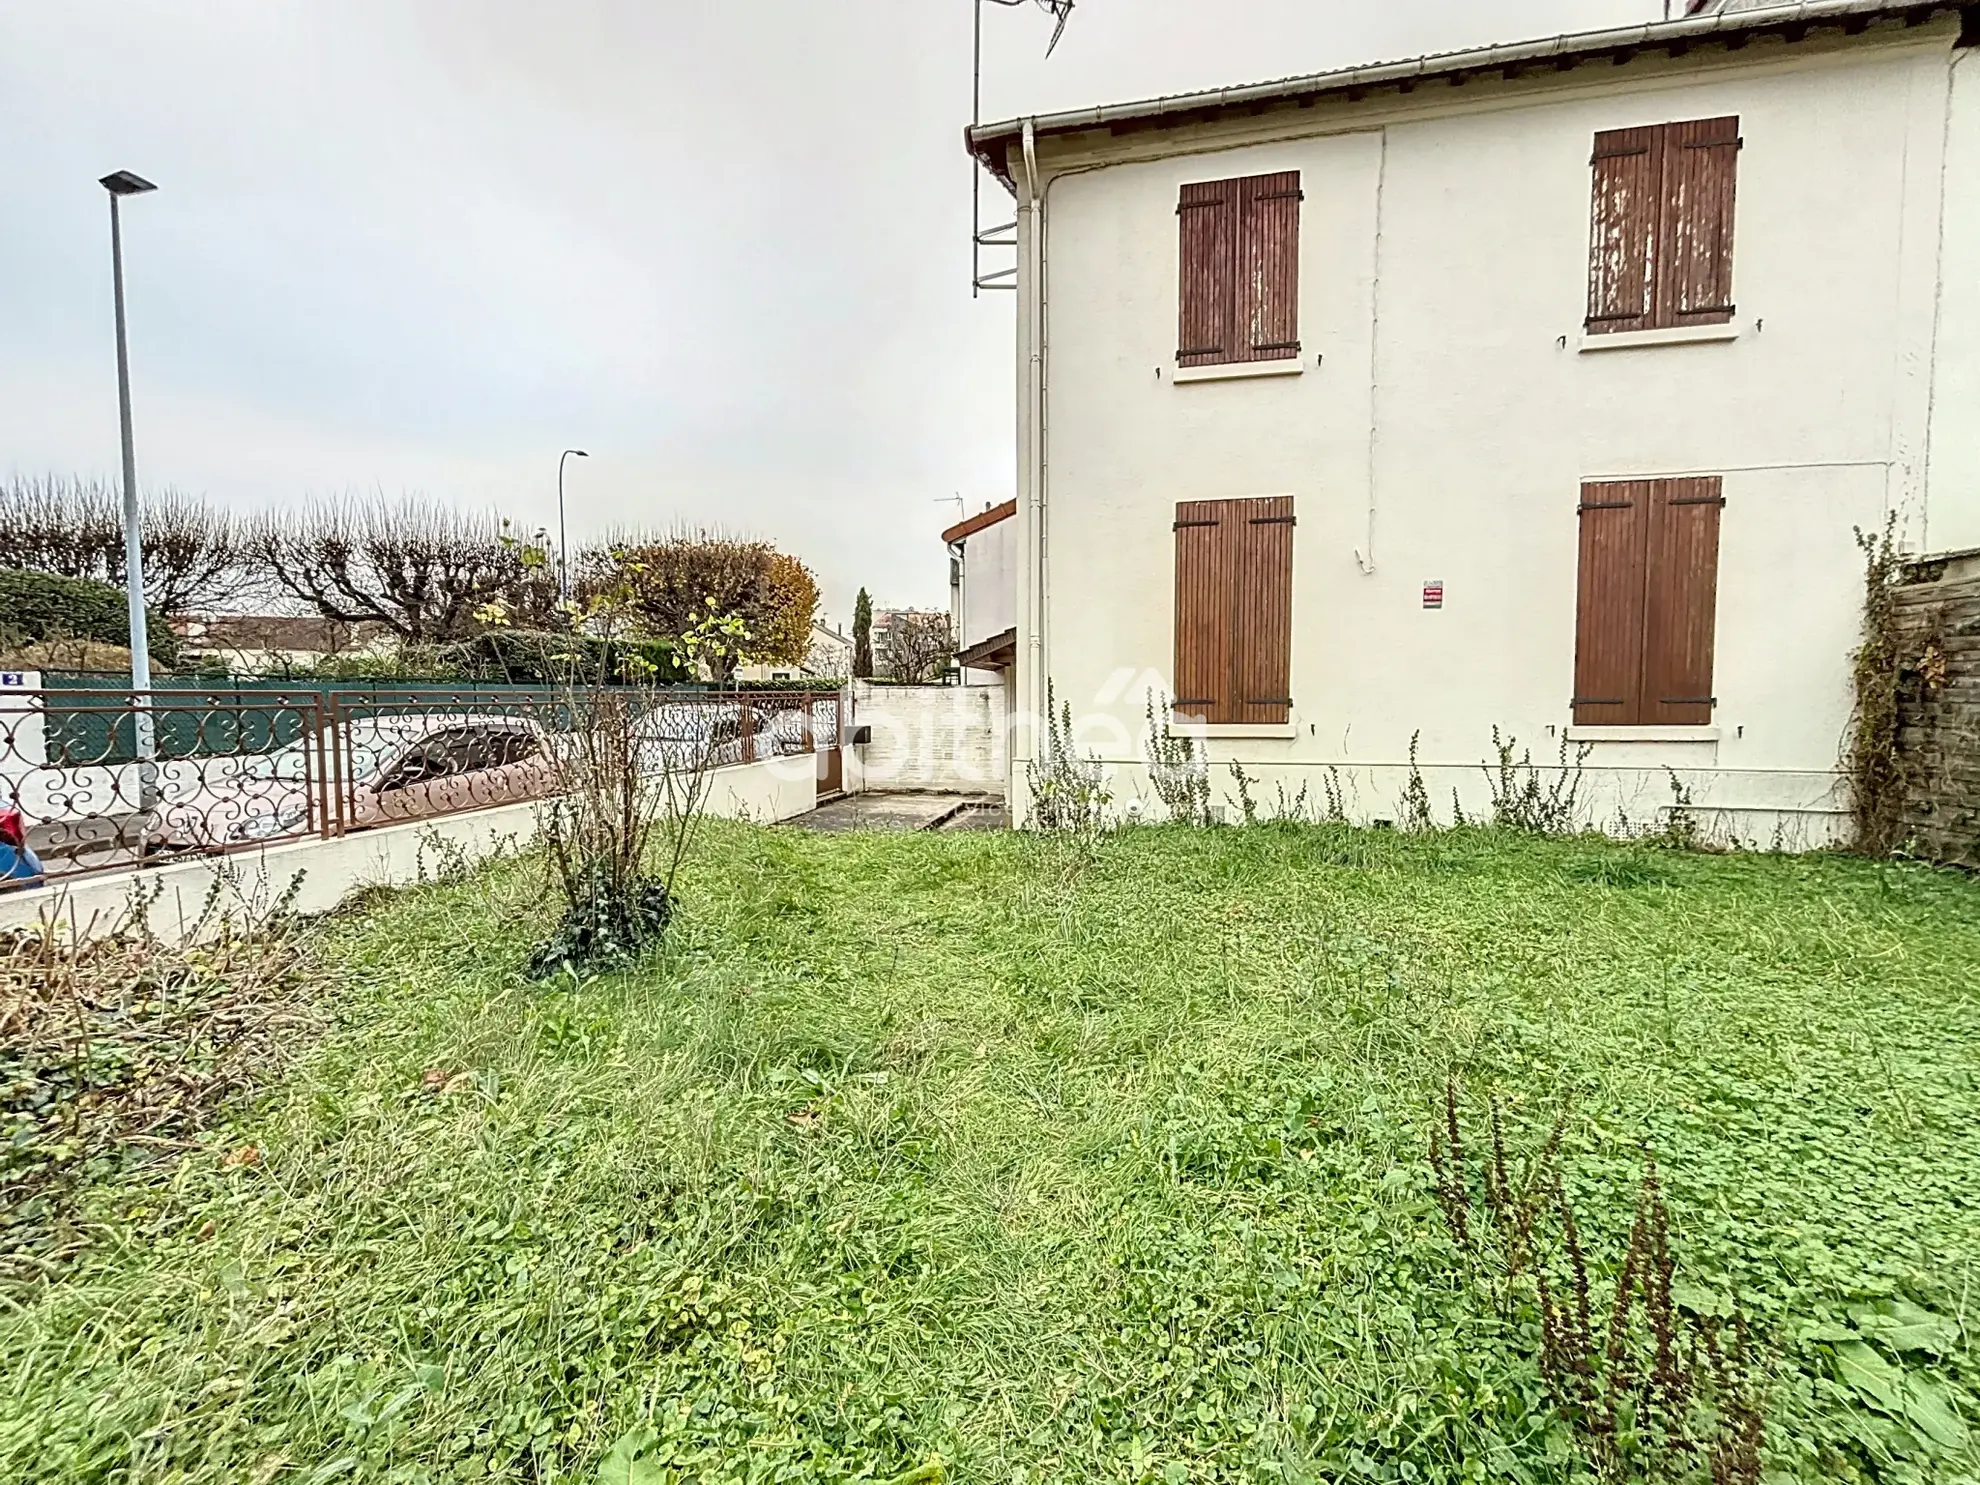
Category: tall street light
[563,546]
[121,184]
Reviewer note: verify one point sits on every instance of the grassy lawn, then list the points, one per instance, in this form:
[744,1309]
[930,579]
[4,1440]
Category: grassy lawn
[1055,1166]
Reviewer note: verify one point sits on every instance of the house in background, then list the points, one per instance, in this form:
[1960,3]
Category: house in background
[274,644]
[983,592]
[830,657]
[1542,387]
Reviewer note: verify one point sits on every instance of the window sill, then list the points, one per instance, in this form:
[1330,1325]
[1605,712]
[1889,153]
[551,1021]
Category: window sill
[1211,731]
[1232,370]
[1643,734]
[1627,340]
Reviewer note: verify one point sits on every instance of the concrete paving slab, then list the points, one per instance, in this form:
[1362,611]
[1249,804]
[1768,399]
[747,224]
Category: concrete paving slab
[894,811]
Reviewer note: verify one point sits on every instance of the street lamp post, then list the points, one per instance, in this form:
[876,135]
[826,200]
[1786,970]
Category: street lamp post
[121,184]
[563,546]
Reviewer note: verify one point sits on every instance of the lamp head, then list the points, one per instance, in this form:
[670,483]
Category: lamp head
[124,183]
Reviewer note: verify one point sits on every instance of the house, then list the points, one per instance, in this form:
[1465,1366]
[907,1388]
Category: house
[1541,387]
[829,657]
[831,652]
[983,592]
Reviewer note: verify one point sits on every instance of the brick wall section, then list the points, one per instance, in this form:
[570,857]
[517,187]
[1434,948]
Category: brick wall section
[948,739]
[1939,709]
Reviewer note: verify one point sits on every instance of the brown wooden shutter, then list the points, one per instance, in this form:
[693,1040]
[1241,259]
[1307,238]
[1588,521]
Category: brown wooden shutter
[1261,531]
[1608,650]
[1203,612]
[1681,606]
[1622,253]
[1209,218]
[1695,261]
[1268,286]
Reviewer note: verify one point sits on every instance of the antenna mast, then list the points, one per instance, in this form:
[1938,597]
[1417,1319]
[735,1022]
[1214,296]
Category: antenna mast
[1004,234]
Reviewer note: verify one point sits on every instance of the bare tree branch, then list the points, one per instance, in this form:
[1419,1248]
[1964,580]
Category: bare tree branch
[420,568]
[193,556]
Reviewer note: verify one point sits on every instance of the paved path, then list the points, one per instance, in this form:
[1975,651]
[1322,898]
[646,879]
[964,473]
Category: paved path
[905,812]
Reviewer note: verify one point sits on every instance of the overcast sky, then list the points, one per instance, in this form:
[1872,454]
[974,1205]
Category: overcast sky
[428,244]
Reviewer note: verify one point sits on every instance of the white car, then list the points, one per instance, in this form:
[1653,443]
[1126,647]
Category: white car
[390,768]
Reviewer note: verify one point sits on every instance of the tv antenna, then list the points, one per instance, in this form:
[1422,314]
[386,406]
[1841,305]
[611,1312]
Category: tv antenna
[1004,234]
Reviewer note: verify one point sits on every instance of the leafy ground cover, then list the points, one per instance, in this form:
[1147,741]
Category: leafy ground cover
[1049,1163]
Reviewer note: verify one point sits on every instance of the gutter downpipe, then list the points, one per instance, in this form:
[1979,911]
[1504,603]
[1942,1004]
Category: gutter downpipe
[1031,213]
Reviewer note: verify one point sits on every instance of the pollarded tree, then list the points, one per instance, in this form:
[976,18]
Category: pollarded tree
[422,569]
[193,551]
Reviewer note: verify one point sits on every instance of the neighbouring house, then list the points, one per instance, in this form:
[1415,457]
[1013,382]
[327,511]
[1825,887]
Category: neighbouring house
[831,652]
[830,656]
[983,592]
[1541,387]
[264,643]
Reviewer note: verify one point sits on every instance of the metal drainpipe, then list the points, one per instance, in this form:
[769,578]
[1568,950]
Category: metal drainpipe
[1033,208]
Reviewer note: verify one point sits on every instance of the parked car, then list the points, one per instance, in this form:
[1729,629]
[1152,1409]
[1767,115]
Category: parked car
[676,734]
[394,768]
[19,866]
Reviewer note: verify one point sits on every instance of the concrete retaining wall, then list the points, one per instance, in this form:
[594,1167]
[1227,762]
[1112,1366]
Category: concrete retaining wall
[949,739]
[332,870]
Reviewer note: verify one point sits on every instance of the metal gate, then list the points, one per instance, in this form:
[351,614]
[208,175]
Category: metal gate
[828,724]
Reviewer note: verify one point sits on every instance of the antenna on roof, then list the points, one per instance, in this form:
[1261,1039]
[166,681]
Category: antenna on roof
[1004,234]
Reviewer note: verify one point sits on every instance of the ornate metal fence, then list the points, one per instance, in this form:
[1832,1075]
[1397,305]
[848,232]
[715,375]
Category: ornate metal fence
[106,780]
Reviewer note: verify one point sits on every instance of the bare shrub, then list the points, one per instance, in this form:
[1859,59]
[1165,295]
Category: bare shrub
[1538,801]
[1176,766]
[1068,791]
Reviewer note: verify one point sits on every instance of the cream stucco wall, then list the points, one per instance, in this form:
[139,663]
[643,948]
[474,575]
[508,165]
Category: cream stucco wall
[1954,518]
[1446,416]
[989,584]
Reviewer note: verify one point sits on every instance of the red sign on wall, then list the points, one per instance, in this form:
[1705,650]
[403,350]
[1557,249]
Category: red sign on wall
[1433,595]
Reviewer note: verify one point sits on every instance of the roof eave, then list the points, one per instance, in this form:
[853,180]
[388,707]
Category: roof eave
[990,143]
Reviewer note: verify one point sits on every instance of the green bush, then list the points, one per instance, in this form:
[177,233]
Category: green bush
[37,606]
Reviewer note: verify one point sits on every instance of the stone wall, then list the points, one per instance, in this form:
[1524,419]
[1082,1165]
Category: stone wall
[1938,611]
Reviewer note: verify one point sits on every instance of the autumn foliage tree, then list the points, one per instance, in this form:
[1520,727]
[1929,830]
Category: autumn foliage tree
[677,580]
[783,631]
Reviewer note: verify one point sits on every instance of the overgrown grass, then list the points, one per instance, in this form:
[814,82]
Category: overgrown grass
[1058,1162]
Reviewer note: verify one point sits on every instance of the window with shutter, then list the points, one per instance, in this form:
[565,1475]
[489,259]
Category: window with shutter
[1239,270]
[1661,232]
[1234,610]
[1648,603]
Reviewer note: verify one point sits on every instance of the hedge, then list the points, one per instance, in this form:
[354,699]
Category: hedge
[37,606]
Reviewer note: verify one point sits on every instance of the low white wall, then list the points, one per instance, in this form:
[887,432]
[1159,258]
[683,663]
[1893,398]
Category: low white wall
[1617,793]
[331,870]
[947,739]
